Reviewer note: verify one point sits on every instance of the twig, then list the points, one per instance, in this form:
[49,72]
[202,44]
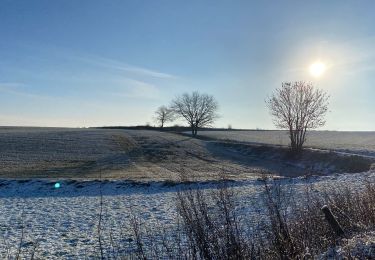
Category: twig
[100,217]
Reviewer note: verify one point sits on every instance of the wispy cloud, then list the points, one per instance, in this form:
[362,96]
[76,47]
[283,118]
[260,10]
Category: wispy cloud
[45,52]
[19,89]
[69,74]
[122,66]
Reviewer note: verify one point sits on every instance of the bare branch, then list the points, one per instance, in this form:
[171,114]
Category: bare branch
[298,107]
[199,110]
[163,115]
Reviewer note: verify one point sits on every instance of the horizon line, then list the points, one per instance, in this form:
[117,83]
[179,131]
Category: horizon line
[179,126]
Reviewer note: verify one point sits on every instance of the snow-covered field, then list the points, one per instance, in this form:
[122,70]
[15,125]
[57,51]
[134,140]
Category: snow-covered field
[63,223]
[140,171]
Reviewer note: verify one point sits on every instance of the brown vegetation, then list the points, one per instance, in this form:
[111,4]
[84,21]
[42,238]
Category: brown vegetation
[212,228]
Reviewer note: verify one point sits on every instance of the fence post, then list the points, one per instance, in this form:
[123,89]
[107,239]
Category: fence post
[332,221]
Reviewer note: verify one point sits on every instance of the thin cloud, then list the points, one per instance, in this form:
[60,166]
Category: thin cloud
[19,90]
[68,54]
[118,65]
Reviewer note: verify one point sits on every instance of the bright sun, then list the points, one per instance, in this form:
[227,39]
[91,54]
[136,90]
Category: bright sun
[317,69]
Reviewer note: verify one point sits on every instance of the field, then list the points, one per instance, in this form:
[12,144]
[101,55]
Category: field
[352,142]
[142,155]
[142,171]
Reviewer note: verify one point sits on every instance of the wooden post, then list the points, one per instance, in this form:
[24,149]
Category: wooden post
[332,221]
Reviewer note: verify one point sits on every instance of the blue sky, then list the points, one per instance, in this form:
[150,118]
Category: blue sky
[93,63]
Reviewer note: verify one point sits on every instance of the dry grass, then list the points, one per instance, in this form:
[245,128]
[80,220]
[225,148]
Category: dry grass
[212,229]
[209,225]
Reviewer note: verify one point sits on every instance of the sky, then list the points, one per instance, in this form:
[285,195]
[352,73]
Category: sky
[101,63]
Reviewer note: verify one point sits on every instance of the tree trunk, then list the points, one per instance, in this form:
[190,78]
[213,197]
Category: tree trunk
[292,139]
[297,139]
[194,130]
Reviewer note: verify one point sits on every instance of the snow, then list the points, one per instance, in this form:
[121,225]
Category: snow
[360,246]
[140,170]
[64,221]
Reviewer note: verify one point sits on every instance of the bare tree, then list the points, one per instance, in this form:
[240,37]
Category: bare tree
[163,115]
[199,110]
[298,107]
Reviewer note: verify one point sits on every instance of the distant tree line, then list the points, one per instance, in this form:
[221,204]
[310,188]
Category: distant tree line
[296,107]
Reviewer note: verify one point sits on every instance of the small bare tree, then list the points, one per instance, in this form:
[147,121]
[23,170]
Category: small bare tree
[163,115]
[298,107]
[199,110]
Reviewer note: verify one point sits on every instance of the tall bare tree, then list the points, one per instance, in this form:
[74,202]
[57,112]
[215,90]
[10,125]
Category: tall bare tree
[298,107]
[198,110]
[163,115]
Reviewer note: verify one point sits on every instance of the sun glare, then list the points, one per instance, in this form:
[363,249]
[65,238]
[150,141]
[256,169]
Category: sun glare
[317,69]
